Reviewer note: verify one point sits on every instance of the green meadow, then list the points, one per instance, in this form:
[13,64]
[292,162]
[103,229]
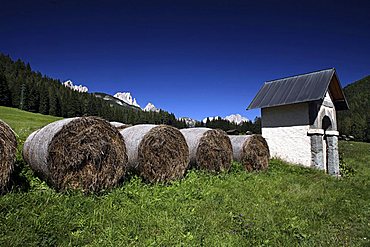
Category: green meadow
[286,206]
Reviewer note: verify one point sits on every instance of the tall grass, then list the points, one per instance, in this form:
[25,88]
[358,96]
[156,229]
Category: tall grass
[285,206]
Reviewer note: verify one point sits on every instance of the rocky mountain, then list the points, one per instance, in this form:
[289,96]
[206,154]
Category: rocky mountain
[236,118]
[188,121]
[78,88]
[151,107]
[50,97]
[114,101]
[211,118]
[126,97]
[233,118]
[120,98]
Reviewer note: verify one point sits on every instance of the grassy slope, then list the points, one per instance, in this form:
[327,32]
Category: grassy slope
[285,206]
[24,122]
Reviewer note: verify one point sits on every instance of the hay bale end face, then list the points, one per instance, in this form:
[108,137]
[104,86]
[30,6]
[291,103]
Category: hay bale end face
[84,153]
[8,151]
[252,151]
[210,149]
[156,153]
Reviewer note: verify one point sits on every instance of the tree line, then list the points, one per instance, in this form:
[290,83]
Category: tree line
[243,128]
[356,121]
[23,88]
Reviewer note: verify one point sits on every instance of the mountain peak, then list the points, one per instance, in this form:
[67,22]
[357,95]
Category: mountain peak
[151,107]
[233,118]
[127,98]
[188,121]
[79,88]
[211,118]
[236,118]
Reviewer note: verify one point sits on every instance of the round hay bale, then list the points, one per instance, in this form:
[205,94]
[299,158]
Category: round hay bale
[8,151]
[84,153]
[210,149]
[252,151]
[156,153]
[120,126]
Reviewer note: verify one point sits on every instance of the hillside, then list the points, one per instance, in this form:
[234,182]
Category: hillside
[23,122]
[285,206]
[28,90]
[356,121]
[115,101]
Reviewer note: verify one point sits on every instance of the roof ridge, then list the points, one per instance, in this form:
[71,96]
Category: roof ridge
[287,77]
[300,88]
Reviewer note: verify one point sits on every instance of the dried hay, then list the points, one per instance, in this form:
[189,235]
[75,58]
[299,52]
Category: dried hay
[252,151]
[84,153]
[156,153]
[210,149]
[8,151]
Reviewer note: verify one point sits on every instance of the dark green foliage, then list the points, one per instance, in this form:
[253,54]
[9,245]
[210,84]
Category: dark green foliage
[245,127]
[31,99]
[31,91]
[356,121]
[44,101]
[345,168]
[5,94]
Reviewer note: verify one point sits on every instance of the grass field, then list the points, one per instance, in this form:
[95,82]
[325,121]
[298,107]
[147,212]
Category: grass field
[285,206]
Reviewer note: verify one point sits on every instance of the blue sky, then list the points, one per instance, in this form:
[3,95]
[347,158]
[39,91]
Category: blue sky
[192,58]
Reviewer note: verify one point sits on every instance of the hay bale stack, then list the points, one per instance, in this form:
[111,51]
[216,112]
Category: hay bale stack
[8,151]
[120,126]
[156,153]
[210,149]
[84,153]
[252,151]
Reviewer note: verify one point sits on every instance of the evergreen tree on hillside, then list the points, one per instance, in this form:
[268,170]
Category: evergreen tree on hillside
[5,94]
[23,98]
[44,101]
[354,121]
[32,99]
[32,91]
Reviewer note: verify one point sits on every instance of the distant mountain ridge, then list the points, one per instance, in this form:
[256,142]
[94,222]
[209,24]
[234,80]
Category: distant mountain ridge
[120,98]
[126,97]
[79,88]
[23,88]
[151,107]
[189,121]
[233,118]
[236,118]
[116,101]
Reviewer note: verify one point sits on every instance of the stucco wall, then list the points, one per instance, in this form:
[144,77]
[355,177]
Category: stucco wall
[326,109]
[285,130]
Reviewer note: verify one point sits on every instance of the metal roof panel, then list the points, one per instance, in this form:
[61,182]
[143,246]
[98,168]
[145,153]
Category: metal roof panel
[295,89]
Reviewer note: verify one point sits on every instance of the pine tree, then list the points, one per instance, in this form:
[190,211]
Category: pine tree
[5,94]
[44,101]
[32,101]
[29,90]
[54,105]
[23,99]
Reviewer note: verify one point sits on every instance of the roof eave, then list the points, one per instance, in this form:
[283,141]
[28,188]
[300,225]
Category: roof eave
[342,104]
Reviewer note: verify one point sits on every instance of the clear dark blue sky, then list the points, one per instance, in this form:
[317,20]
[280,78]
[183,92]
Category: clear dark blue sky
[193,58]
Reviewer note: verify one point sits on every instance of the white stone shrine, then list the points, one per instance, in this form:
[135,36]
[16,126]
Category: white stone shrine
[298,116]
